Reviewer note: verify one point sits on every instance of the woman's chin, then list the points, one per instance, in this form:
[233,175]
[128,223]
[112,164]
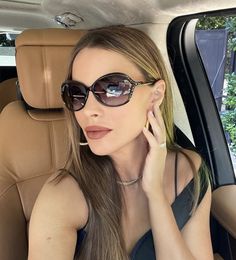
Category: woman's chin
[99,150]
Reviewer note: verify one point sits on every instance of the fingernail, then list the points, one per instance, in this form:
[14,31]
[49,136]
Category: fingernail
[151,113]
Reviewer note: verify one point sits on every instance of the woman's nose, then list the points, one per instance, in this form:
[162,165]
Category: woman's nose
[92,106]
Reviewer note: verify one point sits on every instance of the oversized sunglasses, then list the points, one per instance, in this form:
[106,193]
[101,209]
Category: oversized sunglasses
[112,90]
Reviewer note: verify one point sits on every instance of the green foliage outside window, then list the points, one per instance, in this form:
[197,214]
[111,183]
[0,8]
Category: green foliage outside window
[228,116]
[6,41]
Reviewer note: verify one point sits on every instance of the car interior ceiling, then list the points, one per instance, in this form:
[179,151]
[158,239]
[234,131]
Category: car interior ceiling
[21,188]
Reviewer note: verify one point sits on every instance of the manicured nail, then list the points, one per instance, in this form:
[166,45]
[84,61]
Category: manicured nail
[151,113]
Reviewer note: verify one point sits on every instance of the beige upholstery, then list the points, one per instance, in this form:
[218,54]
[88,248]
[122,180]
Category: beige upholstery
[32,143]
[7,92]
[46,62]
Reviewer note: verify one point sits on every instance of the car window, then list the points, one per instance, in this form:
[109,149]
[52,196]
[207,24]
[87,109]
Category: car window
[216,42]
[7,48]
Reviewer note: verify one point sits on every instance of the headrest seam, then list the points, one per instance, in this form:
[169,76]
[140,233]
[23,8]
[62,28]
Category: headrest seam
[45,75]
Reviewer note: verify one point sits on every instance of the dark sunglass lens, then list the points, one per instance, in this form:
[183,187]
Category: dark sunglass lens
[113,90]
[74,96]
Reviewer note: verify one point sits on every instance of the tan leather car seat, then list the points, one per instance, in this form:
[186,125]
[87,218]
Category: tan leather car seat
[32,141]
[7,92]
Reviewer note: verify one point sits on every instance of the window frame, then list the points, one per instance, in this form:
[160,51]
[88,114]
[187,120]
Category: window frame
[197,96]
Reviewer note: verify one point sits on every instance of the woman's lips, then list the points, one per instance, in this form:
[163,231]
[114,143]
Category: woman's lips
[96,132]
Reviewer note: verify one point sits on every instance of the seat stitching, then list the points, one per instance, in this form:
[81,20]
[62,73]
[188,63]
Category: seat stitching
[52,146]
[11,186]
[6,190]
[45,76]
[17,182]
[21,200]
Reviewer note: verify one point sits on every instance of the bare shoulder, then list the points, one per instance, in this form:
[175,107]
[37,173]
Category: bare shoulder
[59,211]
[192,155]
[188,162]
[64,199]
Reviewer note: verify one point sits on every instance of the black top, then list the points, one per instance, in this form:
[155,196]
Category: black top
[181,207]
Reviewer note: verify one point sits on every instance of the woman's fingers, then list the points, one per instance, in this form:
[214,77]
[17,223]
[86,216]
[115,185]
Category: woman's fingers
[159,118]
[150,138]
[155,127]
[158,126]
[155,160]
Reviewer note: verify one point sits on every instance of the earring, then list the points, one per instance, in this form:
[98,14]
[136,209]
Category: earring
[83,139]
[83,144]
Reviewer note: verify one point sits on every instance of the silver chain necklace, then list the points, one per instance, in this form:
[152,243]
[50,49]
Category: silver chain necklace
[127,183]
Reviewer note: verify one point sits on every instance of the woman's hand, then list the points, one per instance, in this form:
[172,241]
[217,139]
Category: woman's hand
[153,171]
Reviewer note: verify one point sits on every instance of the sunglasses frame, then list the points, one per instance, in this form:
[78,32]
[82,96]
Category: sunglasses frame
[66,85]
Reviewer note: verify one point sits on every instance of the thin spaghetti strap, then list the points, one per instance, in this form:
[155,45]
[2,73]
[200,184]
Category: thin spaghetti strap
[176,165]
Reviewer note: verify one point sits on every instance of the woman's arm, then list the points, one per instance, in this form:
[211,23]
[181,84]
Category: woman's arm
[194,242]
[57,214]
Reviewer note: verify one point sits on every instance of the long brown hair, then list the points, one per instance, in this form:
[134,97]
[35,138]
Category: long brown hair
[96,175]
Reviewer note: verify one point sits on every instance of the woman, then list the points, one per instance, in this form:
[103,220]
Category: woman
[127,191]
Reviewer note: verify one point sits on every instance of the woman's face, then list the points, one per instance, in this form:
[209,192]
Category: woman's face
[123,125]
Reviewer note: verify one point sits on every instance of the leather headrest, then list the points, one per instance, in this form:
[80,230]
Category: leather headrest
[42,57]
